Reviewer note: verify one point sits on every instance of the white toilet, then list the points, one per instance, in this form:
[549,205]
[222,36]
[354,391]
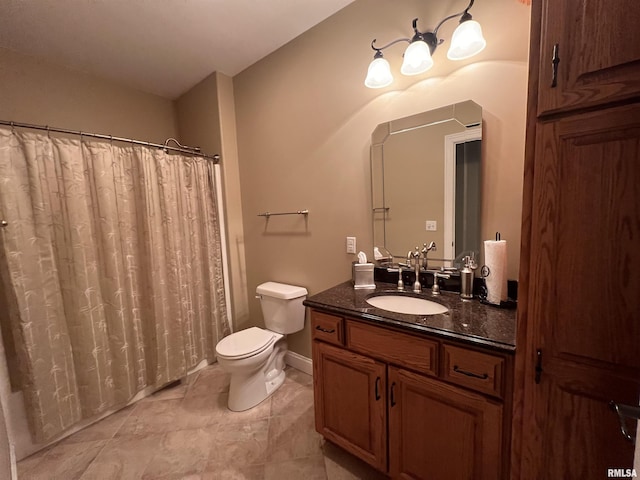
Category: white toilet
[255,357]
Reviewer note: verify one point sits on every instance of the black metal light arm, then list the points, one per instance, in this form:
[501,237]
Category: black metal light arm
[464,14]
[379,49]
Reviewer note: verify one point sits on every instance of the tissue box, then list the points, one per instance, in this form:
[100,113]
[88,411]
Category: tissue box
[362,274]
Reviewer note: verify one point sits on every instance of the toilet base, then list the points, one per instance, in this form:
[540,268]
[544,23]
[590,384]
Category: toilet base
[247,393]
[247,390]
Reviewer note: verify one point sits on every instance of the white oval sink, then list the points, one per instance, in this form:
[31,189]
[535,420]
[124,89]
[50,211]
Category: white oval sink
[408,305]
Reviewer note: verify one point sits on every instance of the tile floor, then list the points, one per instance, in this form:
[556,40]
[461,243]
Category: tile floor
[187,432]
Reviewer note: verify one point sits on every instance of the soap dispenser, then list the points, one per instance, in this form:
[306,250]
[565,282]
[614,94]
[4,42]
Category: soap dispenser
[466,277]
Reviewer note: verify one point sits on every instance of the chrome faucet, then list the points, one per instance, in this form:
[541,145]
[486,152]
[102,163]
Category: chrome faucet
[417,287]
[426,249]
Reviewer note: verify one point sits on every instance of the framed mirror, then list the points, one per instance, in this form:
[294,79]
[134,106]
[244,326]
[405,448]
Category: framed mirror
[426,183]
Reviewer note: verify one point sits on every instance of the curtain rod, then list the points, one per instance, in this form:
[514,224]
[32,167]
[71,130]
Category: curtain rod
[182,149]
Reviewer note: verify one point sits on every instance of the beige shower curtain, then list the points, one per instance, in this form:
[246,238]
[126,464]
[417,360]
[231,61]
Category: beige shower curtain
[111,269]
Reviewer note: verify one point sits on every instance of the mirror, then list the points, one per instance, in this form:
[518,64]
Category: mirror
[426,182]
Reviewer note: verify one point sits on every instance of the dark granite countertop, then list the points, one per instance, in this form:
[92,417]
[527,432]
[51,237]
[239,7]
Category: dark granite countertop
[467,320]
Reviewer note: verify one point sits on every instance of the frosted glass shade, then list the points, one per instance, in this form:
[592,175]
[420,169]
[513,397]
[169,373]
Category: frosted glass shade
[417,58]
[467,40]
[379,74]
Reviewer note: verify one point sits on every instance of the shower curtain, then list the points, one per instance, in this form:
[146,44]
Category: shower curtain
[111,272]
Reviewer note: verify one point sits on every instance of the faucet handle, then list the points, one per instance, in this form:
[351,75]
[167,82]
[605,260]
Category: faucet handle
[435,289]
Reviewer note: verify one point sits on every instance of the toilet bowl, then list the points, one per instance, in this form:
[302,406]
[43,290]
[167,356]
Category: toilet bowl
[254,357]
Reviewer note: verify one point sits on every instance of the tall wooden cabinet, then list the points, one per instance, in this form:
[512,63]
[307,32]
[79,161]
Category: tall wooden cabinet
[589,53]
[579,305]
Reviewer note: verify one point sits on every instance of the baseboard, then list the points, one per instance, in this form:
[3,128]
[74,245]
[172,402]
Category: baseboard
[299,362]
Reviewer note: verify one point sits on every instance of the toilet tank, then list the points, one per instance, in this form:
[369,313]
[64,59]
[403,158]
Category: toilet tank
[282,307]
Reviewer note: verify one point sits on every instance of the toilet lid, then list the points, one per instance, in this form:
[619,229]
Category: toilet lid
[246,342]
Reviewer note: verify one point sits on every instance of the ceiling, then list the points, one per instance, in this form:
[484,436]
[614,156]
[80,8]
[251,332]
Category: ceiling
[158,46]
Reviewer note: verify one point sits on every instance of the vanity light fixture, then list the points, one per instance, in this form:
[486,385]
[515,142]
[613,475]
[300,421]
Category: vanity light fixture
[467,40]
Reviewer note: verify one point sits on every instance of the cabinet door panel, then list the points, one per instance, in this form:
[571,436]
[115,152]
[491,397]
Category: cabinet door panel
[350,402]
[598,51]
[583,294]
[437,431]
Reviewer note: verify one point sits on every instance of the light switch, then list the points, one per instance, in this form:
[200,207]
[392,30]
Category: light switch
[351,244]
[432,225]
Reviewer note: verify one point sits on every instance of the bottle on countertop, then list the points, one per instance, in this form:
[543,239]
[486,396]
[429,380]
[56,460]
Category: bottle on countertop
[466,276]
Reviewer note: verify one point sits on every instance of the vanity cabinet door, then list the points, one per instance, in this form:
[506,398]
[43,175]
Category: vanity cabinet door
[437,431]
[350,402]
[597,51]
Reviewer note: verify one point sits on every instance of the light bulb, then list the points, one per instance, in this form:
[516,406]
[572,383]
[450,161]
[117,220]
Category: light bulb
[379,73]
[467,40]
[417,58]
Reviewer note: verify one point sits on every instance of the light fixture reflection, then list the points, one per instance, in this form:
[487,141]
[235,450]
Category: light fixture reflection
[467,41]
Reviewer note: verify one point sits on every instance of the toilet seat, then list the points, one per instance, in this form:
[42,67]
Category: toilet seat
[246,343]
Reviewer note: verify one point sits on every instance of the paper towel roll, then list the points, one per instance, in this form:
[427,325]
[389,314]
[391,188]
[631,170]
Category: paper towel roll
[495,257]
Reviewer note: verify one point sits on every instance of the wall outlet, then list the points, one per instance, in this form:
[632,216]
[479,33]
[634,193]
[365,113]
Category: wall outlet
[432,226]
[351,244]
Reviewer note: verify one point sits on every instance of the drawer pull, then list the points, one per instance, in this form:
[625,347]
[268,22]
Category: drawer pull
[554,66]
[325,330]
[456,369]
[377,388]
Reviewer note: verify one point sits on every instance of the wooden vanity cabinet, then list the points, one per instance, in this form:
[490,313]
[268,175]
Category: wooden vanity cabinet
[395,400]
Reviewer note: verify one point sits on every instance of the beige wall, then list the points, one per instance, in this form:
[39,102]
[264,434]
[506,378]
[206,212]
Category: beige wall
[206,118]
[304,125]
[233,201]
[35,91]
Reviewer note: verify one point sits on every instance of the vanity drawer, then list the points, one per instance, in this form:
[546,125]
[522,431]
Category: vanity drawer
[328,328]
[478,370]
[398,348]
